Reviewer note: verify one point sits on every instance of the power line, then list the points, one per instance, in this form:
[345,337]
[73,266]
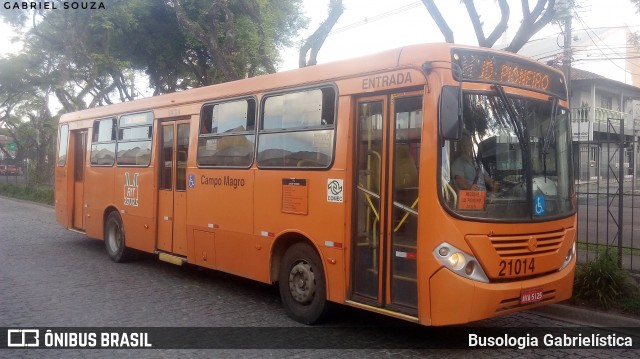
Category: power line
[587,29]
[377,17]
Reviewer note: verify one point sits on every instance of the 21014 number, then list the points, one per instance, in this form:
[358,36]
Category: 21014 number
[517,267]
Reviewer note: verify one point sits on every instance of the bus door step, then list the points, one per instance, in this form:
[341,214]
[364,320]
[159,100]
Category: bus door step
[170,258]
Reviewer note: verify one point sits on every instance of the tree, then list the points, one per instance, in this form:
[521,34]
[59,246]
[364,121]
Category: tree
[236,39]
[84,59]
[313,44]
[532,21]
[178,43]
[25,114]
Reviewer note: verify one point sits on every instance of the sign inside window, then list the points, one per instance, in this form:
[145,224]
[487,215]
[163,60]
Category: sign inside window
[479,66]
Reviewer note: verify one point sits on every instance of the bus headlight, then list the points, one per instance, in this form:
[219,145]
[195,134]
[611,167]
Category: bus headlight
[570,254]
[460,262]
[456,261]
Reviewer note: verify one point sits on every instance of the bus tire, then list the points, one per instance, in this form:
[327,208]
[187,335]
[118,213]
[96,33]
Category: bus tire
[114,240]
[302,284]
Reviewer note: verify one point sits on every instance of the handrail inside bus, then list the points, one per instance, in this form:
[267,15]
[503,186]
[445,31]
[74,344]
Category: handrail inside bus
[408,211]
[446,186]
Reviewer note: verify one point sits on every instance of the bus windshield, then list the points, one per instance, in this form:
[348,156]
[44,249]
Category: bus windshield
[512,162]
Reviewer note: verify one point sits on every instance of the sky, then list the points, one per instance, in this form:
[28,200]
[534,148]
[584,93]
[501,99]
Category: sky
[370,26]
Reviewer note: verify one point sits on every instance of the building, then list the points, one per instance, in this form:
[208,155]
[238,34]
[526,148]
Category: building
[604,99]
[603,119]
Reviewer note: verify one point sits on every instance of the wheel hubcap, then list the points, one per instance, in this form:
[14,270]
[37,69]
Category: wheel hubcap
[302,283]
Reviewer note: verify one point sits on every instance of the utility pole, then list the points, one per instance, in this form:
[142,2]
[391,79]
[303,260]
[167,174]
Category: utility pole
[566,8]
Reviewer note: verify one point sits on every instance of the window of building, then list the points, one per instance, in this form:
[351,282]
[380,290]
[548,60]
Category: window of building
[297,129]
[227,135]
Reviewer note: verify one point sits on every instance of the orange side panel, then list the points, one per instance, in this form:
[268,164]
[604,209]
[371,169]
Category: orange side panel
[221,199]
[138,232]
[242,254]
[335,270]
[136,206]
[204,248]
[99,194]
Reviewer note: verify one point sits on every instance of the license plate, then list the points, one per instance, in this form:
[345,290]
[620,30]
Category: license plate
[531,295]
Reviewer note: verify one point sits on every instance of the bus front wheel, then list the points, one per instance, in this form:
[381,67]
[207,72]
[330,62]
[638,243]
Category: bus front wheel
[114,238]
[302,284]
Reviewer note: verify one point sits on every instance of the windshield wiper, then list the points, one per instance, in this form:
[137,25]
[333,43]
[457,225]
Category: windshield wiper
[512,115]
[552,122]
[547,137]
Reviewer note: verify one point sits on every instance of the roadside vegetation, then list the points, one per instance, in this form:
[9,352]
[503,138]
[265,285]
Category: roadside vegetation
[601,284]
[34,194]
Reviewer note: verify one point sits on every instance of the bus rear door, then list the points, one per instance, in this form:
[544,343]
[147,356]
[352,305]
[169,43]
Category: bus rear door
[172,196]
[384,271]
[79,155]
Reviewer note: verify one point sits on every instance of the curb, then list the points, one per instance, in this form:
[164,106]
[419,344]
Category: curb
[587,317]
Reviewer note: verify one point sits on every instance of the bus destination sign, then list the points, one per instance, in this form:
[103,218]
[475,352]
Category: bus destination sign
[479,66]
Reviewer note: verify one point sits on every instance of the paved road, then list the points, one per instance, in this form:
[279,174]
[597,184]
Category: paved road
[55,278]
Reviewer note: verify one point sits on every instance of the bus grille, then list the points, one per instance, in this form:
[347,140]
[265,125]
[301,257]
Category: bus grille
[527,245]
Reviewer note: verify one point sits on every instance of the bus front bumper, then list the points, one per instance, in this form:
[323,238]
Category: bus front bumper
[458,300]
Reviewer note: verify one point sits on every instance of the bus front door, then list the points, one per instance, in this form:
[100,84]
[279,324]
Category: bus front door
[384,239]
[172,195]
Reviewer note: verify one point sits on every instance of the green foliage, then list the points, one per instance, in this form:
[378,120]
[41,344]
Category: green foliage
[601,281]
[34,194]
[88,58]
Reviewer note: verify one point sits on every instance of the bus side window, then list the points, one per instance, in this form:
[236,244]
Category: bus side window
[62,145]
[227,135]
[134,139]
[297,129]
[103,142]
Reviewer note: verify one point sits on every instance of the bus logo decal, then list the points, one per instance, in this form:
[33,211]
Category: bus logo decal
[131,189]
[335,190]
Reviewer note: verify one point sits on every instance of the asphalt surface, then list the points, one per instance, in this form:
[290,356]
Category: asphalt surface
[50,277]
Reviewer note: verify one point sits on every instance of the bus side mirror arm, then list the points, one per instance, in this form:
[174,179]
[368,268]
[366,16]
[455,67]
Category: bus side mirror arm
[450,113]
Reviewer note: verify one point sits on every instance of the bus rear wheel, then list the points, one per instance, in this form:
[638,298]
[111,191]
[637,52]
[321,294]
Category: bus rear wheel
[114,239]
[302,285]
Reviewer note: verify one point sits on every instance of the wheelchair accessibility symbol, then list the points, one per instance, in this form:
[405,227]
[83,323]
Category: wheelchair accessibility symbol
[538,205]
[192,181]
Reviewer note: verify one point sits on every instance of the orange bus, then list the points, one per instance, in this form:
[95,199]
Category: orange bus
[432,183]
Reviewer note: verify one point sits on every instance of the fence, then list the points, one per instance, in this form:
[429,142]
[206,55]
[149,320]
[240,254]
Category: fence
[608,191]
[21,175]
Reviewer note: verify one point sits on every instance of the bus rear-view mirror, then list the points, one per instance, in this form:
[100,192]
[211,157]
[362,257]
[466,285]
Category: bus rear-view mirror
[450,113]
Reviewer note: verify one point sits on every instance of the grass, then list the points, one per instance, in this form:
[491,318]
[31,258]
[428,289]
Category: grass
[602,284]
[34,194]
[603,247]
